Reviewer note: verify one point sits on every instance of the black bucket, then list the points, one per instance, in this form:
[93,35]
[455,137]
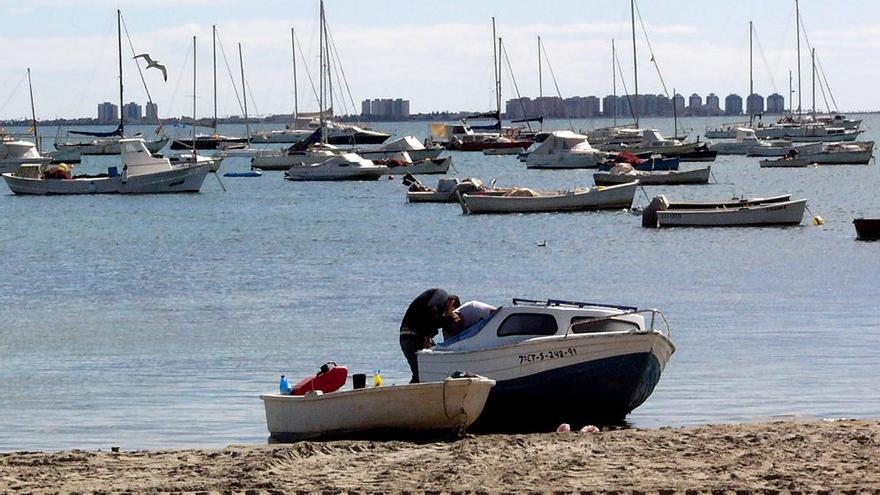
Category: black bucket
[359,380]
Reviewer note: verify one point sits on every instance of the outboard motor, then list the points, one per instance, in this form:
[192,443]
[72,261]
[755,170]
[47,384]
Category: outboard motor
[649,214]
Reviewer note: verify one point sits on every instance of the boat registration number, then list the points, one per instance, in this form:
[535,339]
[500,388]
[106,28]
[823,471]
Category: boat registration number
[535,357]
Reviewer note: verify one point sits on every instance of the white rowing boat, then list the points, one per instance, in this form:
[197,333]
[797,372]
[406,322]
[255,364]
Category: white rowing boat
[446,406]
[529,201]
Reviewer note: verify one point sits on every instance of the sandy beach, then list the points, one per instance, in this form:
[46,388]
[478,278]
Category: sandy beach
[779,457]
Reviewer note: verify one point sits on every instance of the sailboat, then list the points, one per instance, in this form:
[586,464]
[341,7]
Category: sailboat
[465,137]
[339,165]
[800,130]
[212,141]
[17,152]
[141,173]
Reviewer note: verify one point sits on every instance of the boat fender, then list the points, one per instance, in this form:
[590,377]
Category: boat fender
[649,214]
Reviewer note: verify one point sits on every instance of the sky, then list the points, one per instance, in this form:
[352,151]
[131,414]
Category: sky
[436,54]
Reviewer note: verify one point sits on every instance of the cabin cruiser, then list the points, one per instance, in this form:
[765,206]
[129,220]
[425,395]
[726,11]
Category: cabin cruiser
[410,145]
[648,140]
[345,166]
[746,142]
[142,173]
[565,149]
[557,361]
[105,146]
[15,153]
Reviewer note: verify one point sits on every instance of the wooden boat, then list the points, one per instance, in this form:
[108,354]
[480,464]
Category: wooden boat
[651,163]
[446,406]
[558,361]
[674,178]
[529,201]
[779,210]
[446,190]
[867,229]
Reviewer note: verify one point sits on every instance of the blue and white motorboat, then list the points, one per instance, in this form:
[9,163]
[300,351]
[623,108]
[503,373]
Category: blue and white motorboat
[558,361]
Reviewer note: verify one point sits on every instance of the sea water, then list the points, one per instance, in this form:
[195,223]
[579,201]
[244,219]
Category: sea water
[156,321]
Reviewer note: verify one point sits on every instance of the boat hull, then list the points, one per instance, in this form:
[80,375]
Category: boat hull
[566,160]
[836,158]
[444,406]
[184,179]
[493,145]
[209,143]
[421,167]
[867,229]
[784,213]
[613,197]
[575,379]
[696,176]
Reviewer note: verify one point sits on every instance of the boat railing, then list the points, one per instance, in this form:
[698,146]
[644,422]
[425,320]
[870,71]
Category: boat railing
[562,302]
[652,313]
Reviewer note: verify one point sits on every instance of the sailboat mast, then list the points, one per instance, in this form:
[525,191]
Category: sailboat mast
[632,8]
[194,102]
[751,75]
[329,58]
[321,37]
[674,116]
[540,75]
[497,69]
[293,54]
[498,95]
[813,57]
[33,112]
[121,97]
[214,46]
[790,94]
[797,15]
[247,126]
[614,82]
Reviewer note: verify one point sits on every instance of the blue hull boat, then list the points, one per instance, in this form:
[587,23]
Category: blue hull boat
[557,362]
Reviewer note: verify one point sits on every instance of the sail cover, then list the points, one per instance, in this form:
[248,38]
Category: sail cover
[117,132]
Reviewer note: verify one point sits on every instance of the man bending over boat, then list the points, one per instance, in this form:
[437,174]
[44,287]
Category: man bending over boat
[465,316]
[428,312]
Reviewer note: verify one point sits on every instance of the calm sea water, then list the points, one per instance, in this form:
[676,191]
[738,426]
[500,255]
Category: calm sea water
[155,321]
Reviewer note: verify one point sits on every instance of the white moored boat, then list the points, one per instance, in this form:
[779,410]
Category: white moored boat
[779,210]
[401,163]
[142,173]
[557,361]
[529,201]
[409,144]
[15,153]
[858,153]
[447,405]
[746,142]
[565,149]
[345,166]
[446,191]
[620,175]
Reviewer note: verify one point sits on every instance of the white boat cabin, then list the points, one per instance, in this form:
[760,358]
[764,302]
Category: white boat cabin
[529,319]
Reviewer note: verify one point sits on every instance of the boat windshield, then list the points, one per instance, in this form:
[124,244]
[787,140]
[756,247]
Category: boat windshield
[468,332]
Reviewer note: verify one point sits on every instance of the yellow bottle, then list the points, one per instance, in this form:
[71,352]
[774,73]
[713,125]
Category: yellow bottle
[377,379]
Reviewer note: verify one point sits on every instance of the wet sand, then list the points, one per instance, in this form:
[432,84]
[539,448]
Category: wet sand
[780,457]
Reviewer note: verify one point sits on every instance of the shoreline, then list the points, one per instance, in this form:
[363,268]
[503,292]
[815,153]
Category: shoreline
[782,457]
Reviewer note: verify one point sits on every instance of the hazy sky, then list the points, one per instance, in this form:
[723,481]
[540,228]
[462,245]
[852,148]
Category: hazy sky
[437,54]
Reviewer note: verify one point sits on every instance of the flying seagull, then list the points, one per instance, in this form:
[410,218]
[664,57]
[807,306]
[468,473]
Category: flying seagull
[152,64]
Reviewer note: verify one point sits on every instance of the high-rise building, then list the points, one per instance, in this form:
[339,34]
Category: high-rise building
[775,103]
[152,112]
[754,104]
[107,113]
[678,101]
[132,112]
[733,105]
[385,108]
[695,104]
[713,104]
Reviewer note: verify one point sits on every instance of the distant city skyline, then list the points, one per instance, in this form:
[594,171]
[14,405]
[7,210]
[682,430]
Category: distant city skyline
[438,56]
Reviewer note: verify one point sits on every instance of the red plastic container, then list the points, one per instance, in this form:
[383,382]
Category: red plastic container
[326,381]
